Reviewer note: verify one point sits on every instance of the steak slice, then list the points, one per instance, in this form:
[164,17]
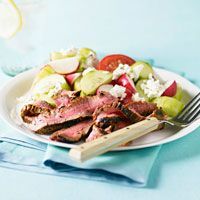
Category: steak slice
[107,115]
[116,116]
[109,109]
[35,109]
[79,109]
[142,107]
[64,98]
[98,132]
[116,112]
[132,115]
[108,121]
[121,124]
[95,133]
[74,133]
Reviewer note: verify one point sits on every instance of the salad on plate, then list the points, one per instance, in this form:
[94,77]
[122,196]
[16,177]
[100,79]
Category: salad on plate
[76,97]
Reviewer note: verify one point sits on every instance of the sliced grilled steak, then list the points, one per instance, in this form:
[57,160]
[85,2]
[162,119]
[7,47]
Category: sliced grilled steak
[132,115]
[121,124]
[117,112]
[43,105]
[64,98]
[98,131]
[142,107]
[74,133]
[31,110]
[78,110]
[108,109]
[35,109]
[107,115]
[108,121]
[95,133]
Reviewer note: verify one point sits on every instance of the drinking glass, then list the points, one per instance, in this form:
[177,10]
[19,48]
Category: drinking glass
[24,50]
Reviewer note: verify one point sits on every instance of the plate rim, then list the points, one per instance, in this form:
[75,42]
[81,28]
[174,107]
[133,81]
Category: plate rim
[183,132]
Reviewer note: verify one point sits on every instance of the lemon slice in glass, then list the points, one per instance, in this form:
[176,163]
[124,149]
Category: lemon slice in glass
[10,19]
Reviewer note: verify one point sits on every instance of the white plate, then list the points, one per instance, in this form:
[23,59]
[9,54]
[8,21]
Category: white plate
[18,85]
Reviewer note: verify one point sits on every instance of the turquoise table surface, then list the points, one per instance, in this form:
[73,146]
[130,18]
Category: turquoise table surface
[168,32]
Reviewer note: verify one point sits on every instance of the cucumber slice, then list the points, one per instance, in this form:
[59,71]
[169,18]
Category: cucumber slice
[87,58]
[170,105]
[44,72]
[77,84]
[179,93]
[93,79]
[144,69]
[140,90]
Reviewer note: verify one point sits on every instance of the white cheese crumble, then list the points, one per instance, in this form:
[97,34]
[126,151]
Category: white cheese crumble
[137,97]
[120,70]
[89,69]
[152,88]
[135,72]
[118,92]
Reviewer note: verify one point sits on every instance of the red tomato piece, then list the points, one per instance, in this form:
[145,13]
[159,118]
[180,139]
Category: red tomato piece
[111,62]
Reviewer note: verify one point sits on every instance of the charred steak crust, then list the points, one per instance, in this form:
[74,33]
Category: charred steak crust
[141,107]
[74,133]
[49,129]
[109,109]
[108,115]
[78,118]
[79,109]
[132,115]
[107,121]
[95,133]
[32,110]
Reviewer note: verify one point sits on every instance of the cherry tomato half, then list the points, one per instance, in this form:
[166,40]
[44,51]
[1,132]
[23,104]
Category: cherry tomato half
[111,62]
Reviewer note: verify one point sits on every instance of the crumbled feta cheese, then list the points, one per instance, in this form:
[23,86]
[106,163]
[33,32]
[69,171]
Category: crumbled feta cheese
[118,91]
[152,88]
[137,97]
[89,69]
[120,70]
[135,72]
